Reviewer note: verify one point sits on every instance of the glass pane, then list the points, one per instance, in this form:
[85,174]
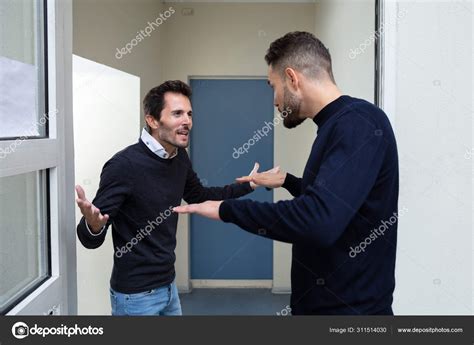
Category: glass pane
[22,81]
[24,260]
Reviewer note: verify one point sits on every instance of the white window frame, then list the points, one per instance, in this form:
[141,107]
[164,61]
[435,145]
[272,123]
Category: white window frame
[58,294]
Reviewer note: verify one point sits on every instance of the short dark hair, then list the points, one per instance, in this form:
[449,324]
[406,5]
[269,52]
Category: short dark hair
[302,51]
[154,101]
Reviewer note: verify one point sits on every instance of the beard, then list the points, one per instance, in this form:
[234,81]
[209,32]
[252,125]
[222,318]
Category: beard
[292,107]
[171,137]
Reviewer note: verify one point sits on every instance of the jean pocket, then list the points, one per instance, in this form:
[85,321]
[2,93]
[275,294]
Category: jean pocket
[113,302]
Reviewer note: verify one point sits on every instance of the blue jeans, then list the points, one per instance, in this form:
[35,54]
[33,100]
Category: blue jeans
[160,301]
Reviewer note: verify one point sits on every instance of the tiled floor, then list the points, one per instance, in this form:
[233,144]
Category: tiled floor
[234,302]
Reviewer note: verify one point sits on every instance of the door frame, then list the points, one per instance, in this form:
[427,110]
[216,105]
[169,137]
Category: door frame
[385,57]
[186,284]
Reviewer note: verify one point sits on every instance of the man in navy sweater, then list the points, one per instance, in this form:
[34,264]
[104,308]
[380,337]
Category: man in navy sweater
[138,188]
[342,221]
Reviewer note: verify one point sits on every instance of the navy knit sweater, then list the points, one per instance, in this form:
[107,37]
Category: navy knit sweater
[342,221]
[138,190]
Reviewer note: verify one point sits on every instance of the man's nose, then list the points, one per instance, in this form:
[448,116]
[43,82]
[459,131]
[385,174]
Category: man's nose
[187,120]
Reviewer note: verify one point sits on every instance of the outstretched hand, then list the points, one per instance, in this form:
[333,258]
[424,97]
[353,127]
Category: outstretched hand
[209,209]
[94,218]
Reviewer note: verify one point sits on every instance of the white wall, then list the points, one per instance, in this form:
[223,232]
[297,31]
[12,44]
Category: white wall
[344,26]
[433,123]
[106,107]
[102,26]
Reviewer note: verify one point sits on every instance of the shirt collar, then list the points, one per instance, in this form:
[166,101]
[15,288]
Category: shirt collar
[331,109]
[155,146]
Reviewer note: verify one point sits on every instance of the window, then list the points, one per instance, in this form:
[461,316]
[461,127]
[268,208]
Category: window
[22,69]
[23,232]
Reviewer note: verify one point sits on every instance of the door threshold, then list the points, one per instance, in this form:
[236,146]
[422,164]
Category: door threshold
[231,283]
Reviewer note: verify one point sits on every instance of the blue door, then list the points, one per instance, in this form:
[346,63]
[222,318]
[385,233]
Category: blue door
[228,114]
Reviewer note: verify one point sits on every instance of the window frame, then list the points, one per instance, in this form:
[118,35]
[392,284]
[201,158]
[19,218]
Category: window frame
[55,154]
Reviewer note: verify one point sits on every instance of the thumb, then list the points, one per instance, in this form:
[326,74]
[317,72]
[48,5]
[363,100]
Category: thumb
[180,209]
[255,168]
[103,218]
[275,170]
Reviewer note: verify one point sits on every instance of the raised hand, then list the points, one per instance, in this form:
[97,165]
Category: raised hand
[94,218]
[272,178]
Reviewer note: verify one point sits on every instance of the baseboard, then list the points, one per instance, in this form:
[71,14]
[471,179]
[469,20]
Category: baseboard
[281,290]
[184,289]
[231,284]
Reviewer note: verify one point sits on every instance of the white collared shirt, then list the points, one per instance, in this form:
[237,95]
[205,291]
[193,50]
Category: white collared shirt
[155,146]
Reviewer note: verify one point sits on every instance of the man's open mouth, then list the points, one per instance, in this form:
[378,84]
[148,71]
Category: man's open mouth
[183,133]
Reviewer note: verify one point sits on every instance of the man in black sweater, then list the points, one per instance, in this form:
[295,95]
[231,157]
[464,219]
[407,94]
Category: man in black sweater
[138,188]
[342,221]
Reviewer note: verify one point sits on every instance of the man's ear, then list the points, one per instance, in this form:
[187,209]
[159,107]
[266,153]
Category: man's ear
[151,122]
[292,78]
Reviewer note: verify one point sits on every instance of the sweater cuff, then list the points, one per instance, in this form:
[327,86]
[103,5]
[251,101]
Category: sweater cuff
[87,232]
[93,233]
[248,187]
[289,181]
[225,211]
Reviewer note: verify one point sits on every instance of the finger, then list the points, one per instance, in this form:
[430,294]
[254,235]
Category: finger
[181,209]
[192,208]
[88,210]
[82,205]
[103,218]
[243,179]
[274,170]
[80,192]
